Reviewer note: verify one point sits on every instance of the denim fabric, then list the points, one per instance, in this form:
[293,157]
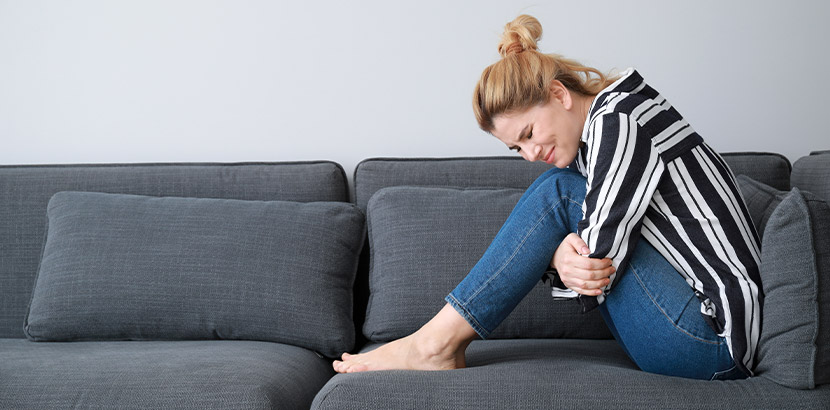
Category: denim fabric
[403,226]
[652,312]
[655,316]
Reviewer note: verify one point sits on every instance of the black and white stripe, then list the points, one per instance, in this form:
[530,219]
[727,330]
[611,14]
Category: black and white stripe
[650,175]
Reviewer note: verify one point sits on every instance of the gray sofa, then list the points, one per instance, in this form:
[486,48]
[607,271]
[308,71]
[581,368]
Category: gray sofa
[233,286]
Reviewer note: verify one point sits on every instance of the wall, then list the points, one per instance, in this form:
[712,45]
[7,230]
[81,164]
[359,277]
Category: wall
[155,81]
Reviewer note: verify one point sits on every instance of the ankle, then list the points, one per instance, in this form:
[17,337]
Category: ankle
[447,331]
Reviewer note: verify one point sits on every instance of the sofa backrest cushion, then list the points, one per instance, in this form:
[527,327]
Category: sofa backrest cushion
[134,267]
[374,174]
[795,273]
[26,190]
[424,240]
[761,200]
[770,168]
[812,173]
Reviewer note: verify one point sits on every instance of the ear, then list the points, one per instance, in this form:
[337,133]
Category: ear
[561,93]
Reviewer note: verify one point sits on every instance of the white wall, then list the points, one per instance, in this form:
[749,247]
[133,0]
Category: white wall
[154,81]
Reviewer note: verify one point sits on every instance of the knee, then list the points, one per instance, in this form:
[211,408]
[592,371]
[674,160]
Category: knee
[557,182]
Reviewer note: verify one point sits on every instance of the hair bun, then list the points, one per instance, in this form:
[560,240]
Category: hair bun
[519,35]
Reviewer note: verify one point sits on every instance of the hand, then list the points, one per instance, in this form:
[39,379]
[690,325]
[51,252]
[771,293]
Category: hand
[581,274]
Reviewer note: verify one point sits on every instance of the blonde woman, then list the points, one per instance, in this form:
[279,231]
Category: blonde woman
[638,218]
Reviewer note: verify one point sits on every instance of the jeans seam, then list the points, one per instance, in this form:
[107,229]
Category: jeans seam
[516,251]
[474,323]
[642,285]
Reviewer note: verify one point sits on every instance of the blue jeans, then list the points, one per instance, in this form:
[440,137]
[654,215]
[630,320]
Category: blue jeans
[652,312]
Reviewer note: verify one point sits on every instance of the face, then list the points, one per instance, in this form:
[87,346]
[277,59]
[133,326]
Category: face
[550,132]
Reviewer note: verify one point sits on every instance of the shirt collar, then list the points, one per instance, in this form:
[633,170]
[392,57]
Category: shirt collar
[600,98]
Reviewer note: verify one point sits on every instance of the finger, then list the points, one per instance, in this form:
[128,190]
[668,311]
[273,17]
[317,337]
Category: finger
[572,282]
[578,244]
[592,274]
[582,262]
[587,292]
[602,273]
[593,284]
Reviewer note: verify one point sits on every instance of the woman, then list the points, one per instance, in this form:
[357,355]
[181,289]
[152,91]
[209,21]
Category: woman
[644,196]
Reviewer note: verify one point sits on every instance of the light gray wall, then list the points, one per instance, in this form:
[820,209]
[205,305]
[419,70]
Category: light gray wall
[143,81]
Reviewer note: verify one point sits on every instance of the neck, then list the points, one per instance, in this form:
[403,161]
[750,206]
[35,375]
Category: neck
[584,105]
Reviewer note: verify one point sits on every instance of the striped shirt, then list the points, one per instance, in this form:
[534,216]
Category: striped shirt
[651,176]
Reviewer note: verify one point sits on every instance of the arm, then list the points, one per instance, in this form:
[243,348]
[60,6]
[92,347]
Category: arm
[623,173]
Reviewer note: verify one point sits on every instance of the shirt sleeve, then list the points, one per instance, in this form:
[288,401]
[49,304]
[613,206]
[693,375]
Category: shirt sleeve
[624,169]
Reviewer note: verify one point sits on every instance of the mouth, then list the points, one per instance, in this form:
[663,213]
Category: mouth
[549,158]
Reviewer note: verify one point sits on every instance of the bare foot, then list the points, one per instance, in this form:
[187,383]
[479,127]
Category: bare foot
[438,345]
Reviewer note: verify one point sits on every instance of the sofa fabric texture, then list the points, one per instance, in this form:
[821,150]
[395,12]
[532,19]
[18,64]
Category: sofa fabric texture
[810,173]
[204,374]
[761,200]
[374,174]
[424,240]
[795,271]
[26,189]
[554,374]
[133,267]
[414,195]
[765,167]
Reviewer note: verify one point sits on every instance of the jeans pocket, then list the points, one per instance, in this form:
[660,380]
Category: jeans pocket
[692,323]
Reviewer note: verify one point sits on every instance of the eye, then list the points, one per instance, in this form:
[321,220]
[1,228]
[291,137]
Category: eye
[517,149]
[529,134]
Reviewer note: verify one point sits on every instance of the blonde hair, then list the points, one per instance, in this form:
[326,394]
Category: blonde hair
[521,79]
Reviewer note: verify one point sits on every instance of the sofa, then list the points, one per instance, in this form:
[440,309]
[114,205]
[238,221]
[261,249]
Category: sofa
[234,285]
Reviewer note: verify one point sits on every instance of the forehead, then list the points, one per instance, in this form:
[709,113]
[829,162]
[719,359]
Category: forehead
[508,126]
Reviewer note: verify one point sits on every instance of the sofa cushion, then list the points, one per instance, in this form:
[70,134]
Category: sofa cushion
[26,190]
[761,200]
[131,267]
[374,174]
[795,272]
[812,173]
[424,240]
[216,374]
[554,374]
[770,168]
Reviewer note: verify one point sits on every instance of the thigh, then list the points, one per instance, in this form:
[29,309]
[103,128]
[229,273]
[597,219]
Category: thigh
[655,315]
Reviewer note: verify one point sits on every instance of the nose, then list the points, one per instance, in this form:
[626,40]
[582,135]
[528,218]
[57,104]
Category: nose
[532,152]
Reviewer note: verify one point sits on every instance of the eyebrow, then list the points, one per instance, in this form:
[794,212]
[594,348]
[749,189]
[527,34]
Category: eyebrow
[523,132]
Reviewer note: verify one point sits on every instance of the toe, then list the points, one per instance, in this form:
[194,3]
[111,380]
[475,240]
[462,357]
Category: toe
[358,367]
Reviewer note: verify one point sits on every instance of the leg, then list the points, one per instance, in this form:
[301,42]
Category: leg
[655,315]
[513,263]
[522,250]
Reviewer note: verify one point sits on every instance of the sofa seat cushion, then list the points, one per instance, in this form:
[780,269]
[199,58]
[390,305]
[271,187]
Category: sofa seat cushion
[553,373]
[181,374]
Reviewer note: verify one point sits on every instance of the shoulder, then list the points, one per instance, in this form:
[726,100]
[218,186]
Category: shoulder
[628,104]
[630,95]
